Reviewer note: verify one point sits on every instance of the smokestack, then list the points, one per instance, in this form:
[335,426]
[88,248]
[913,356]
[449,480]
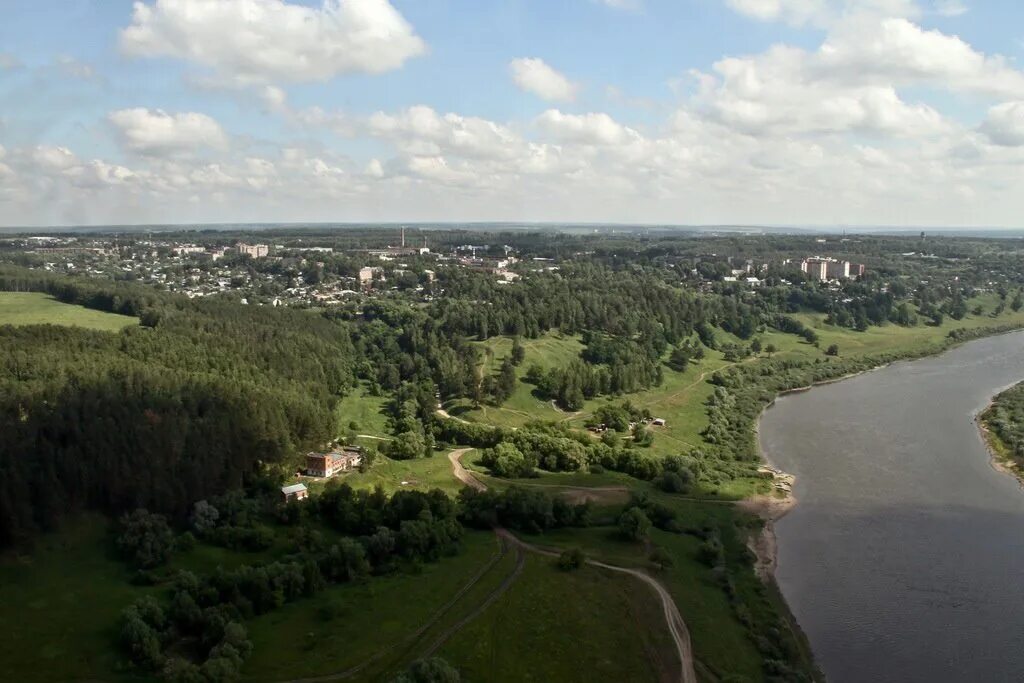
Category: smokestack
[403,235]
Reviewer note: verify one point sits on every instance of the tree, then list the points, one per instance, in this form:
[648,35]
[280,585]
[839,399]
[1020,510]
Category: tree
[672,482]
[755,346]
[406,446]
[679,360]
[1018,301]
[204,516]
[661,558]
[571,559]
[518,352]
[634,524]
[145,539]
[433,670]
[505,383]
[832,350]
[770,349]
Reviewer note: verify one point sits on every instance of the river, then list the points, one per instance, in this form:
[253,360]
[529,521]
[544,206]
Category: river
[903,560]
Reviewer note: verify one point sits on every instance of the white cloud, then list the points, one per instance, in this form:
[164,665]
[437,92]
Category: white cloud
[792,11]
[272,41]
[822,12]
[588,129]
[72,68]
[421,131]
[155,132]
[535,76]
[950,8]
[53,158]
[852,82]
[1005,124]
[898,51]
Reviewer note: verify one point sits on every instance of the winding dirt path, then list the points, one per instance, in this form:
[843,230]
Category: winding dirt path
[673,618]
[461,473]
[491,597]
[676,626]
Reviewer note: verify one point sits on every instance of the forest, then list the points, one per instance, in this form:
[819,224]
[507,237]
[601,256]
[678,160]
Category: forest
[206,395]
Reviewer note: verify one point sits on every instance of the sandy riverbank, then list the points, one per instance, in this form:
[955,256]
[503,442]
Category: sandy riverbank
[770,508]
[999,461]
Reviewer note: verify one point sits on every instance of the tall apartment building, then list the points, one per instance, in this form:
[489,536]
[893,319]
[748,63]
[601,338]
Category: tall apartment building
[815,267]
[822,269]
[254,250]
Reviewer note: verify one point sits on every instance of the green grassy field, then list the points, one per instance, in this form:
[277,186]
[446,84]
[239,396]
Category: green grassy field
[721,643]
[371,617]
[587,625]
[394,475]
[33,308]
[366,411]
[59,607]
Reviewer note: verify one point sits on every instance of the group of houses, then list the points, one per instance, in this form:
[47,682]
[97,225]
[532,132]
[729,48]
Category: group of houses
[325,465]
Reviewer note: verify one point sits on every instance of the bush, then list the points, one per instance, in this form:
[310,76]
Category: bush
[433,670]
[145,539]
[571,559]
[634,525]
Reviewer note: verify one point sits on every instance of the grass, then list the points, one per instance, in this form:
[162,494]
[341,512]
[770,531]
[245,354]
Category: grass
[395,475]
[59,607]
[721,643]
[366,411]
[298,640]
[587,625]
[34,308]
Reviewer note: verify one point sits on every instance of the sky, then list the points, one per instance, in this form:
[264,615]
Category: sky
[758,112]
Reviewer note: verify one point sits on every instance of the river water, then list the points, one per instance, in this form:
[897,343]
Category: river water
[903,560]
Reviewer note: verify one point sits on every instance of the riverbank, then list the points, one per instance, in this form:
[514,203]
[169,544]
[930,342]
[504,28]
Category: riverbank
[772,507]
[905,471]
[1000,453]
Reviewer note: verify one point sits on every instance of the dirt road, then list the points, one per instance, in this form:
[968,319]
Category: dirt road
[461,473]
[676,626]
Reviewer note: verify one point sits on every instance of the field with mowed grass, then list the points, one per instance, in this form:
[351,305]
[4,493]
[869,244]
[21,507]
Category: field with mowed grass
[396,475]
[34,308]
[551,625]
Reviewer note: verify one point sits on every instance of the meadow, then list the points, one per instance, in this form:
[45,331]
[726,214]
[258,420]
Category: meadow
[34,308]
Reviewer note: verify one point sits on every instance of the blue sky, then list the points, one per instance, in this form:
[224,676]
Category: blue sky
[853,112]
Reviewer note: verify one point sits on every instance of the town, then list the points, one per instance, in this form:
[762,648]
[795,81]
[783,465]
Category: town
[310,271]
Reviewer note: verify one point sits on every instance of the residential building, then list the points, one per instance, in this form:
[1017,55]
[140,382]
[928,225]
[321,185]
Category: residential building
[368,274]
[253,250]
[815,267]
[294,492]
[837,270]
[331,463]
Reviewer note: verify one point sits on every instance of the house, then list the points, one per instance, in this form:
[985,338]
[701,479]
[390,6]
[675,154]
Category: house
[368,274]
[658,422]
[333,462]
[294,492]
